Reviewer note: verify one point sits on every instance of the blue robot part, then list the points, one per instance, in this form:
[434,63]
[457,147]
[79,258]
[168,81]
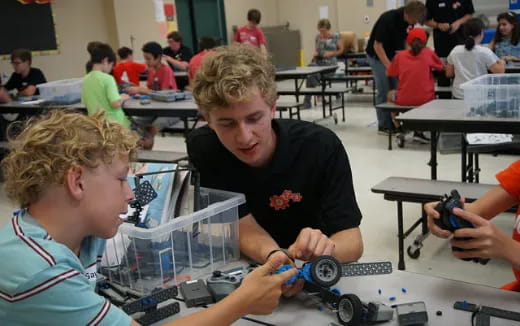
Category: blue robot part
[303,273]
[324,271]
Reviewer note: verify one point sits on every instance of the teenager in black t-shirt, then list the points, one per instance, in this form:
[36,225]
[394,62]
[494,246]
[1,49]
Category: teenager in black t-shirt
[177,55]
[24,78]
[295,175]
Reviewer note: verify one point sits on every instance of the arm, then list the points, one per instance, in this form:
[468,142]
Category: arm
[450,70]
[28,91]
[498,68]
[263,49]
[339,51]
[492,45]
[444,27]
[177,63]
[381,54]
[459,22]
[4,96]
[393,69]
[348,245]
[255,242]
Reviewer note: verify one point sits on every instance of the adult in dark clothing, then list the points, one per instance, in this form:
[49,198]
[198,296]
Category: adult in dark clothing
[24,78]
[387,37]
[446,17]
[178,56]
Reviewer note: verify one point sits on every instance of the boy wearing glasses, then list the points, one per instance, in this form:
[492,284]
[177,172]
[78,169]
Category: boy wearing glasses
[24,78]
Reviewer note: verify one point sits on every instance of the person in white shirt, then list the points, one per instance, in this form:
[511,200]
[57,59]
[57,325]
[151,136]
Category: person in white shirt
[471,60]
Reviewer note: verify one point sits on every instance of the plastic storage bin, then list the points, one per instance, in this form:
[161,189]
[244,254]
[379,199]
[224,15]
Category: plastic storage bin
[185,248]
[493,95]
[66,91]
[170,96]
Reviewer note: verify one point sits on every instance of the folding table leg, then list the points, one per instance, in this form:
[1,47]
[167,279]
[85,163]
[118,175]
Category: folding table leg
[400,235]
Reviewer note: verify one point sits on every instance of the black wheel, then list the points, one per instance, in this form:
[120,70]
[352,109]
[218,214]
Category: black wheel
[413,254]
[326,271]
[350,310]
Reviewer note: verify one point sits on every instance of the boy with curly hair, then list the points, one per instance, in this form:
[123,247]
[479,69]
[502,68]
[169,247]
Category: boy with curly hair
[68,174]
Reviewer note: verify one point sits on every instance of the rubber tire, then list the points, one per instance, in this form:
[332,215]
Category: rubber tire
[415,254]
[357,310]
[400,141]
[315,273]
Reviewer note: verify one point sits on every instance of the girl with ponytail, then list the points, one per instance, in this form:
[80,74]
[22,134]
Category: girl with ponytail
[471,60]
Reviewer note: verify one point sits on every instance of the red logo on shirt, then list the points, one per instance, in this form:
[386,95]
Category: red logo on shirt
[282,201]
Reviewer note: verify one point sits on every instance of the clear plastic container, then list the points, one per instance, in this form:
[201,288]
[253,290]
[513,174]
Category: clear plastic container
[185,248]
[65,91]
[493,95]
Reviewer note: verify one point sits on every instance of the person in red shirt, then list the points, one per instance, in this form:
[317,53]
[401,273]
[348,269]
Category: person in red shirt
[128,66]
[413,68]
[488,241]
[251,34]
[206,44]
[160,76]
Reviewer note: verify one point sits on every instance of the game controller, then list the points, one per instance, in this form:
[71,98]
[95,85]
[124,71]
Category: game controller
[222,284]
[451,222]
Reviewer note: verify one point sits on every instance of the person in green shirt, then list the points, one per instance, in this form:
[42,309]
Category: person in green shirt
[100,92]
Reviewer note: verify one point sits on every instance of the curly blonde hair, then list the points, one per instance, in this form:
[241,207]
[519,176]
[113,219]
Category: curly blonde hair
[48,146]
[230,75]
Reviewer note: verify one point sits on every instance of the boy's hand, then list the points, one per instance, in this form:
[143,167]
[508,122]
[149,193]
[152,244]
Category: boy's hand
[309,244]
[432,214]
[124,97]
[261,290]
[444,27]
[487,240]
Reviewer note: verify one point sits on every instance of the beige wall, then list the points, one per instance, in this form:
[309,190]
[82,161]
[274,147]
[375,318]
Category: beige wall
[136,18]
[351,15]
[303,15]
[77,22]
[236,13]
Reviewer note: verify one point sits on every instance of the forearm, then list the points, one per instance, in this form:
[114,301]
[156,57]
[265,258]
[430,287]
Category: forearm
[464,19]
[348,245]
[263,49]
[492,203]
[255,242]
[4,96]
[431,23]
[381,54]
[512,253]
[28,91]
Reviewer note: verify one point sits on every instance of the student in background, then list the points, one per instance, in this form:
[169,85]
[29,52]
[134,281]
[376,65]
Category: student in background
[176,54]
[471,60]
[413,68]
[487,240]
[127,66]
[90,47]
[387,37]
[70,203]
[24,78]
[251,34]
[206,44]
[100,92]
[327,47]
[160,76]
[505,43]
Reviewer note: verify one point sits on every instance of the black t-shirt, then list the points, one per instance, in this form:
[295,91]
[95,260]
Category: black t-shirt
[447,11]
[307,184]
[16,81]
[390,29]
[183,54]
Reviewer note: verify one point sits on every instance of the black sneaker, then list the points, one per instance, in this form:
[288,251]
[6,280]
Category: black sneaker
[420,138]
[383,131]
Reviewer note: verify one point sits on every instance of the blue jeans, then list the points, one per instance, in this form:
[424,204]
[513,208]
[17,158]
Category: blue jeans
[383,85]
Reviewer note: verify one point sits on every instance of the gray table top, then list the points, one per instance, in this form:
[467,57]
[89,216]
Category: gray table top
[179,109]
[448,115]
[437,293]
[301,72]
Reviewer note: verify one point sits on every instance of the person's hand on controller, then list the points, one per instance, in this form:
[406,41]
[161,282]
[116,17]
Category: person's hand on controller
[487,240]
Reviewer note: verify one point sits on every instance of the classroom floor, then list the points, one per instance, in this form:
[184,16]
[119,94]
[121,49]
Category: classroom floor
[371,162]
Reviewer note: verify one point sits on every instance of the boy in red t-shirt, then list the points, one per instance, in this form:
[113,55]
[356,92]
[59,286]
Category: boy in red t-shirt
[488,241]
[128,66]
[251,34]
[206,44]
[413,68]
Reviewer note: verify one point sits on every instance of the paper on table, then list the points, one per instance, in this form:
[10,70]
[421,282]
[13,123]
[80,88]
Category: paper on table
[480,138]
[34,102]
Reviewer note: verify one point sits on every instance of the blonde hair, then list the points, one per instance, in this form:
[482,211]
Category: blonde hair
[48,146]
[229,76]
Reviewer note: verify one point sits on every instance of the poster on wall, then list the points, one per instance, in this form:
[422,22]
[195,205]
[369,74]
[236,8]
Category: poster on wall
[514,4]
[33,22]
[165,16]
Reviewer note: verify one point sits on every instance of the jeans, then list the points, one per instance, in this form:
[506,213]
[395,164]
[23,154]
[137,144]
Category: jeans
[383,85]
